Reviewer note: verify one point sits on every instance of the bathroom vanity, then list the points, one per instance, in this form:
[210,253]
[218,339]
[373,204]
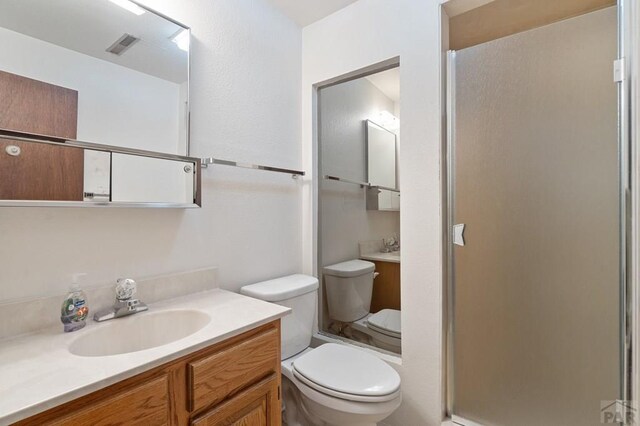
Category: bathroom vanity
[227,372]
[236,381]
[386,291]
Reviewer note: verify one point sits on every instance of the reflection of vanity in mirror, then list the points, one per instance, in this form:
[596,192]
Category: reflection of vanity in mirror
[359,204]
[94,106]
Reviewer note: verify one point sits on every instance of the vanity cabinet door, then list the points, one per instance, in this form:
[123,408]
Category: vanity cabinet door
[145,404]
[259,405]
[214,377]
[386,287]
[233,382]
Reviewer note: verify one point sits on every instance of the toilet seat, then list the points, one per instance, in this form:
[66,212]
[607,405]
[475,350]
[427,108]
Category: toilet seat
[317,405]
[377,338]
[386,321]
[347,373]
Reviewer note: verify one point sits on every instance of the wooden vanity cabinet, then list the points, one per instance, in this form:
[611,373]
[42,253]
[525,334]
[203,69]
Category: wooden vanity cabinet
[234,382]
[254,406]
[386,287]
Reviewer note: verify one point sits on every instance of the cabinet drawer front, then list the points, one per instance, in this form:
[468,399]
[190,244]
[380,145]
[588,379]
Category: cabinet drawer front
[147,404]
[217,376]
[259,405]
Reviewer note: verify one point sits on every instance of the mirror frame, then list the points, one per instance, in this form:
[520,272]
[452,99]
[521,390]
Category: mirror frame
[96,146]
[368,122]
[188,112]
[25,137]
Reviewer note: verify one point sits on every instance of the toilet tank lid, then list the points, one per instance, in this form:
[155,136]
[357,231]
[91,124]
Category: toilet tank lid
[350,268]
[282,288]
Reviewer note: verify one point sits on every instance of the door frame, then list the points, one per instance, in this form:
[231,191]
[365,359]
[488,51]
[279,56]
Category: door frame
[629,159]
[318,177]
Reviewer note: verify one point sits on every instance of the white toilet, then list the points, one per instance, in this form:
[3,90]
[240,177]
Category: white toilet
[349,287]
[332,385]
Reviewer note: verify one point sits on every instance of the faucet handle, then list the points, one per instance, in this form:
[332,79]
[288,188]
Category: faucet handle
[125,288]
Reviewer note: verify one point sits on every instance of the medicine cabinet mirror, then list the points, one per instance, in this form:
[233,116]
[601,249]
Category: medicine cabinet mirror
[94,106]
[381,167]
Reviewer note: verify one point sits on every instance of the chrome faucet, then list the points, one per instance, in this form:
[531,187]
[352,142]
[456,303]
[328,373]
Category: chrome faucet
[125,304]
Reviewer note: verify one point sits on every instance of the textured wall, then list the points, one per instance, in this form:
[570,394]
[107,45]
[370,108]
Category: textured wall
[362,34]
[245,106]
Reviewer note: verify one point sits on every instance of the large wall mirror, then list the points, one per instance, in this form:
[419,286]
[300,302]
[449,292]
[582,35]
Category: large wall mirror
[359,139]
[94,105]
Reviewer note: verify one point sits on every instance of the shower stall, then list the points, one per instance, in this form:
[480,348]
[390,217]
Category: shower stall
[536,186]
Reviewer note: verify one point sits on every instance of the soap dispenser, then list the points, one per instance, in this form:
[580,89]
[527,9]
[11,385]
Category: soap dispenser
[74,307]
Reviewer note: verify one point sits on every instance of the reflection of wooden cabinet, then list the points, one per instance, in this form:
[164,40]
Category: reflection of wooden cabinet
[386,287]
[234,382]
[36,107]
[40,171]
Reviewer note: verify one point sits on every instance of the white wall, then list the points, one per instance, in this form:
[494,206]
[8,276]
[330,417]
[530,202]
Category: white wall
[364,33]
[343,211]
[245,103]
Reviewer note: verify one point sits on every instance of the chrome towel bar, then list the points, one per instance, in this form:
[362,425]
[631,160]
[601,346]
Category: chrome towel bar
[210,160]
[363,184]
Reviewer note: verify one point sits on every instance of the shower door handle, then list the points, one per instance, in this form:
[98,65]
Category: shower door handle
[458,234]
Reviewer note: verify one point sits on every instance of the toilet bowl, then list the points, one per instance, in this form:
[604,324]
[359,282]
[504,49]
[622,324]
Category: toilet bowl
[349,288]
[382,329]
[337,396]
[332,385]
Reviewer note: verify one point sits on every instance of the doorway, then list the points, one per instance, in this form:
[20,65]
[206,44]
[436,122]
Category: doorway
[537,261]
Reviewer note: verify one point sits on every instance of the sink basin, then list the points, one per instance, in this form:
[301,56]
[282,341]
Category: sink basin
[139,332]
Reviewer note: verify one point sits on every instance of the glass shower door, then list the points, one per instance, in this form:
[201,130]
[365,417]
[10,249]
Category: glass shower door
[536,299]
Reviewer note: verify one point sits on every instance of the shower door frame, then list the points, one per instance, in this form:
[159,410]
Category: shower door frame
[629,232]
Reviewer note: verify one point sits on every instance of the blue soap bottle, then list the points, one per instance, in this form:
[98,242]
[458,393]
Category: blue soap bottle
[75,308]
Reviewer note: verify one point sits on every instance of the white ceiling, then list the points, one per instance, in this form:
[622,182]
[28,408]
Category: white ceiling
[388,82]
[305,12]
[91,26]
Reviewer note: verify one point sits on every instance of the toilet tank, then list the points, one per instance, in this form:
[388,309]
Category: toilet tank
[298,292]
[349,286]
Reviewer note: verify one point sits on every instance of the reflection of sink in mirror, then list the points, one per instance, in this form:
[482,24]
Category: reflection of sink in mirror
[139,332]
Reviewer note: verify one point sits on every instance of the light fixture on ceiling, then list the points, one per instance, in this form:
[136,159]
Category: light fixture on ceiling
[387,120]
[181,39]
[130,6]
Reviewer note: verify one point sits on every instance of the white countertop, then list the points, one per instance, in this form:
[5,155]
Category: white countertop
[393,257]
[38,372]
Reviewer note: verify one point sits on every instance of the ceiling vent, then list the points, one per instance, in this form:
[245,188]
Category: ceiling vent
[123,44]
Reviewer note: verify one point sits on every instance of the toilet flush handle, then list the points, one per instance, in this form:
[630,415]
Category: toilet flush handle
[375,274]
